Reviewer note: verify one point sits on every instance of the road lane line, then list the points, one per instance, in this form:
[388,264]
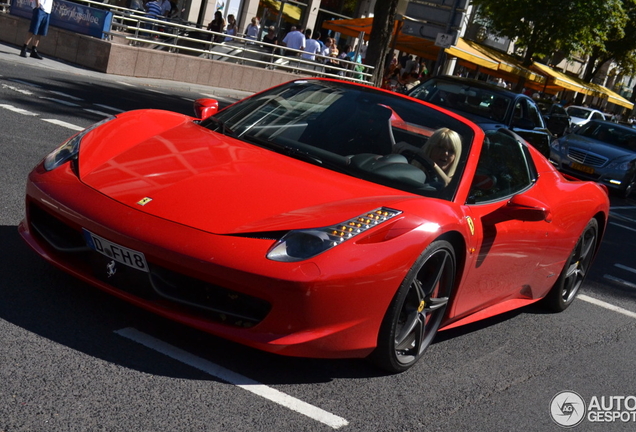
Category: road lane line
[622,226]
[10,87]
[25,83]
[18,110]
[60,101]
[126,84]
[624,267]
[66,95]
[109,108]
[64,124]
[605,305]
[234,378]
[620,281]
[101,113]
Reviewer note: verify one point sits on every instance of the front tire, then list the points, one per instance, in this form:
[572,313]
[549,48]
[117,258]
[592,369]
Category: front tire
[416,311]
[576,267]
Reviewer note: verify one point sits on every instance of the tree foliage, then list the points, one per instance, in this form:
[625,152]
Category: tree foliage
[541,27]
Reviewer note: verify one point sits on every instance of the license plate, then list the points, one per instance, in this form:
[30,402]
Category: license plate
[583,168]
[116,252]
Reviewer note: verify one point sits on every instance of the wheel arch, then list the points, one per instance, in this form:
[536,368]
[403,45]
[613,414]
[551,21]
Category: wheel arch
[457,240]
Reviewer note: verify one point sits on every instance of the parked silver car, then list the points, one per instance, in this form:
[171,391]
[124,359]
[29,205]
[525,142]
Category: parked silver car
[601,151]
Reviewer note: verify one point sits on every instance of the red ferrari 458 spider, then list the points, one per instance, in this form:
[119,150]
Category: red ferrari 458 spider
[317,219]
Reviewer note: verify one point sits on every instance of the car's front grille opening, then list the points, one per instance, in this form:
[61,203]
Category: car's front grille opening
[161,285]
[229,306]
[586,158]
[55,232]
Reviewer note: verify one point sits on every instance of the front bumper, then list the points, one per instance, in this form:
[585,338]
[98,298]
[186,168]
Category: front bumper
[329,307]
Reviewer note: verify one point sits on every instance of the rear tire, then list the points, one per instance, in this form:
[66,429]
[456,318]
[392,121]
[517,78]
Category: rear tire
[416,312]
[576,267]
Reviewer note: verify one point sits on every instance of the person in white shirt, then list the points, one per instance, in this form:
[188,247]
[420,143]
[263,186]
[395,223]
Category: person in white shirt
[294,40]
[252,29]
[39,27]
[312,46]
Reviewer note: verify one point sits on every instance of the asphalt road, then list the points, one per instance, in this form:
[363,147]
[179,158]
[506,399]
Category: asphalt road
[75,359]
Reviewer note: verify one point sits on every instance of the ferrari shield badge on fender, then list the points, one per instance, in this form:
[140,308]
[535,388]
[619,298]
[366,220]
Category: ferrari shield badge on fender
[471,225]
[144,201]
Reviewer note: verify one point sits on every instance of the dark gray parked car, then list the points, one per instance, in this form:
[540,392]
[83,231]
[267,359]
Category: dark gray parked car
[556,118]
[601,151]
[490,106]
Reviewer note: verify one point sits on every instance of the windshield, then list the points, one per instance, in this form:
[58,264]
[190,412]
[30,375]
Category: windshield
[352,129]
[610,133]
[579,112]
[465,98]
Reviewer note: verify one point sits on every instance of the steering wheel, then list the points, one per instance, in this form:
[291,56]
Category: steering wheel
[428,166]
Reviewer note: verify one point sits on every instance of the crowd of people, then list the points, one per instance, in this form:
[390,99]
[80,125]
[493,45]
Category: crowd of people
[404,73]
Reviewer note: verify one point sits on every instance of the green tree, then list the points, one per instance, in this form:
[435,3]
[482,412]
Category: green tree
[542,27]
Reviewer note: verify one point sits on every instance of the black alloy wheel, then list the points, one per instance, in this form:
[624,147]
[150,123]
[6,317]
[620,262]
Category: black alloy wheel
[416,312]
[576,267]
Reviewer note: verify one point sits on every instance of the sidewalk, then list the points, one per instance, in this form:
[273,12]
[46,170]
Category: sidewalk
[10,53]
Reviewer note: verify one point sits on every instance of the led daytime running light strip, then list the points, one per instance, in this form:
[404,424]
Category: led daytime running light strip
[360,224]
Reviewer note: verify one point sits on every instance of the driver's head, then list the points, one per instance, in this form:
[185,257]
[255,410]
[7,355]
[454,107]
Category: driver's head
[444,148]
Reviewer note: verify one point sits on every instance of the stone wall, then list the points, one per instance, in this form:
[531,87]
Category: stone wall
[119,59]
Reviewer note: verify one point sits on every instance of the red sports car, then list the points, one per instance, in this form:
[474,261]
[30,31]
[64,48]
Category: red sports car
[317,219]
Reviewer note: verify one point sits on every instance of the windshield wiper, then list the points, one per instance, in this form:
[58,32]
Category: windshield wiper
[285,149]
[221,126]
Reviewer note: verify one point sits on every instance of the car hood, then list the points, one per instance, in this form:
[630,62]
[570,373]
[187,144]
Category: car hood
[609,151]
[218,184]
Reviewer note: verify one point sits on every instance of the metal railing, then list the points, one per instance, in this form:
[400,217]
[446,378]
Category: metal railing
[176,35]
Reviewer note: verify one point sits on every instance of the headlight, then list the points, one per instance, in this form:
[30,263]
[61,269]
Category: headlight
[556,145]
[70,148]
[300,245]
[621,165]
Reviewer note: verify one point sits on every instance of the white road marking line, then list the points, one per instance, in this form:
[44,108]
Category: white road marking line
[64,124]
[629,269]
[623,208]
[605,305]
[621,217]
[620,281]
[233,378]
[156,91]
[187,99]
[208,95]
[623,226]
[66,95]
[10,87]
[18,110]
[60,101]
[101,113]
[126,84]
[25,83]
[109,108]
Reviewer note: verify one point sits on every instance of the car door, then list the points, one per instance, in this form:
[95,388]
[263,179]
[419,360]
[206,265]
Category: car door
[509,224]
[527,122]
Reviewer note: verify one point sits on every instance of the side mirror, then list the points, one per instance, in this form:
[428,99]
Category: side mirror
[524,208]
[523,123]
[204,108]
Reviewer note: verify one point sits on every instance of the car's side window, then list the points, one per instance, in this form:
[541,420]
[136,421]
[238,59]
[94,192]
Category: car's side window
[535,116]
[504,169]
[597,116]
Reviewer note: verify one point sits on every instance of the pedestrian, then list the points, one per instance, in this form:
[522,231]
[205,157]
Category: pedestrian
[39,27]
[312,46]
[232,28]
[252,29]
[295,39]
[217,25]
